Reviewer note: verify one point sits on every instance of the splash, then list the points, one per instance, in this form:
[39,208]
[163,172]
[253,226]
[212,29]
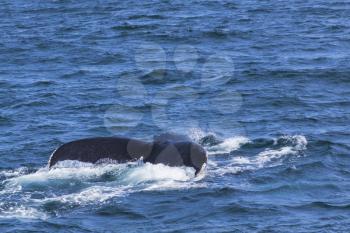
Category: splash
[21,212]
[228,145]
[13,173]
[158,172]
[196,134]
[77,184]
[289,146]
[91,194]
[71,184]
[298,144]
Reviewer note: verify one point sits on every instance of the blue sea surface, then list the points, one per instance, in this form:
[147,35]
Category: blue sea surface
[264,86]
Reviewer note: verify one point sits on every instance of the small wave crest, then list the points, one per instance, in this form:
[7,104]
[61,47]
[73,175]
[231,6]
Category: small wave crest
[215,145]
[228,145]
[285,147]
[21,212]
[268,152]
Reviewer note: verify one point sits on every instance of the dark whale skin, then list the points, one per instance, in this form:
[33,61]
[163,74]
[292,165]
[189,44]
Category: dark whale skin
[121,150]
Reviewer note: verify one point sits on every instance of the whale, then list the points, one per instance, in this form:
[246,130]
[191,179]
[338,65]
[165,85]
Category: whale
[166,149]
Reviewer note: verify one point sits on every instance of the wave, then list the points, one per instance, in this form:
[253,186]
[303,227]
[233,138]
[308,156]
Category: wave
[21,212]
[321,205]
[134,27]
[89,195]
[5,174]
[128,173]
[76,184]
[286,146]
[152,172]
[71,184]
[214,145]
[228,145]
[269,152]
[299,144]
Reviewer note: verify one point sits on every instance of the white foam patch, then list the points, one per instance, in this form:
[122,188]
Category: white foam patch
[162,177]
[228,145]
[91,195]
[158,172]
[134,173]
[269,155]
[22,212]
[300,142]
[64,171]
[14,173]
[173,185]
[125,179]
[229,169]
[139,178]
[266,158]
[241,160]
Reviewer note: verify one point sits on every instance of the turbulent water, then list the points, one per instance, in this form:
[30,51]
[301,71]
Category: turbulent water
[264,86]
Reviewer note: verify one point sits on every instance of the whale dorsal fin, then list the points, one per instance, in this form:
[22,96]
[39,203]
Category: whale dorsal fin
[171,137]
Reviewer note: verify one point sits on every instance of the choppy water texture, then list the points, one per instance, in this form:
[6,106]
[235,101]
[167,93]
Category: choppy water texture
[263,85]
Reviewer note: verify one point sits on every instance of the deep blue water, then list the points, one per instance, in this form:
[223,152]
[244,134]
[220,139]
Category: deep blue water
[263,85]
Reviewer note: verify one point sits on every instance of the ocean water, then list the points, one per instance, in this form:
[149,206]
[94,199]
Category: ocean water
[264,86]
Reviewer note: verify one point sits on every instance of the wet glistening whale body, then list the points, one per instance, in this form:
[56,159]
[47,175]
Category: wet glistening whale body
[121,149]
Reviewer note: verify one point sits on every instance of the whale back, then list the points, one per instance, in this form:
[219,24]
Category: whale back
[93,150]
[167,150]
